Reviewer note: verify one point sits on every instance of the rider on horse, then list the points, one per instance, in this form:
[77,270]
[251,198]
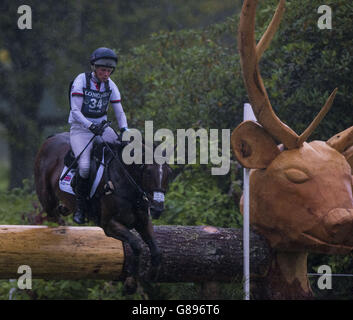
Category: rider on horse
[89,98]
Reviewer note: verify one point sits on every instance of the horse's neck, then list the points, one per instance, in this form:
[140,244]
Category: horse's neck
[118,171]
[134,171]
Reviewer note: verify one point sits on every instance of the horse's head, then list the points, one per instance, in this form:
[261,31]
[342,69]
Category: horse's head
[155,179]
[148,179]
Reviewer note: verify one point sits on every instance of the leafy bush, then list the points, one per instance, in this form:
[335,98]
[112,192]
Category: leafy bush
[196,199]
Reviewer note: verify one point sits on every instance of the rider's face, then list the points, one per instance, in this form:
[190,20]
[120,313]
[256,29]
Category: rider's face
[103,73]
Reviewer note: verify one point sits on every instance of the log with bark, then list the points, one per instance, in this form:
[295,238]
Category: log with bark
[190,253]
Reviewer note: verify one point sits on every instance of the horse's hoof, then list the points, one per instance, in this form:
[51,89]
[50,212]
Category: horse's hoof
[63,210]
[54,219]
[130,286]
[153,273]
[62,222]
[58,220]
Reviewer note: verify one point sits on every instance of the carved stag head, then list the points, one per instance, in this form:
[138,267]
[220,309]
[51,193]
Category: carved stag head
[300,193]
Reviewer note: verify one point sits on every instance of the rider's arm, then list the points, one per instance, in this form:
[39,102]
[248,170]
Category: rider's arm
[120,115]
[76,104]
[77,101]
[115,100]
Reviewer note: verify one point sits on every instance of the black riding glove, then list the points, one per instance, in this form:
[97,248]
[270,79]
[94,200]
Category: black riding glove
[97,130]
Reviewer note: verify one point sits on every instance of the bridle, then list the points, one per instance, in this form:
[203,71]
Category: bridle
[143,200]
[109,187]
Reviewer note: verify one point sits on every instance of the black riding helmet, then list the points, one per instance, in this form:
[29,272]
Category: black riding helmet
[104,57]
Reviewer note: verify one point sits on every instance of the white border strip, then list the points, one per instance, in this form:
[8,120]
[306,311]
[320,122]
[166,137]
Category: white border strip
[248,115]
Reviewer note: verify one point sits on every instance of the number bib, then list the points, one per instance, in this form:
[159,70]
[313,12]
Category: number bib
[95,103]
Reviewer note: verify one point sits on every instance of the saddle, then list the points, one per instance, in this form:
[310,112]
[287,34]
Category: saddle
[100,157]
[96,160]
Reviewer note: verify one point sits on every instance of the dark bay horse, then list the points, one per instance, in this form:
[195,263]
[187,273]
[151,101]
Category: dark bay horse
[128,204]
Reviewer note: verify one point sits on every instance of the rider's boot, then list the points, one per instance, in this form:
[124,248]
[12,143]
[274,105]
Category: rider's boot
[81,191]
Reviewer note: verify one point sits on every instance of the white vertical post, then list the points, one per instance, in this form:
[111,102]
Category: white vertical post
[248,115]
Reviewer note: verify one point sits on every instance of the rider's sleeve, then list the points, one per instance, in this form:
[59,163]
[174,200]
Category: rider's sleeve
[115,100]
[77,101]
[120,115]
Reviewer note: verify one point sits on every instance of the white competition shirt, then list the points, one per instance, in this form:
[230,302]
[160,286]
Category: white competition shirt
[77,118]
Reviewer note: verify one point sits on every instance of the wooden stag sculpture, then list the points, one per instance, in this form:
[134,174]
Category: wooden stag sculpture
[300,193]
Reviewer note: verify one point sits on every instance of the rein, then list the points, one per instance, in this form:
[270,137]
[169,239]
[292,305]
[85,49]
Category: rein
[126,173]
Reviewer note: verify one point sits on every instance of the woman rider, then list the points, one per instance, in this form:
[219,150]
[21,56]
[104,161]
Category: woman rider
[89,97]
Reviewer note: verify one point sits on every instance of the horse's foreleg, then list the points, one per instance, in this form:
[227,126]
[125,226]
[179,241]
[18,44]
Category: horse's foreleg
[148,236]
[118,231]
[49,202]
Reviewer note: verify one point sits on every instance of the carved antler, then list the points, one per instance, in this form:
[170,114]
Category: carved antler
[342,141]
[250,55]
[317,119]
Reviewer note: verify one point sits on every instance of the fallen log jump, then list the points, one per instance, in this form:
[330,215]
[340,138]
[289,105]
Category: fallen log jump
[190,253]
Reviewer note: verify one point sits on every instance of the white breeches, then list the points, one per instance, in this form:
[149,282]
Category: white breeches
[79,137]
